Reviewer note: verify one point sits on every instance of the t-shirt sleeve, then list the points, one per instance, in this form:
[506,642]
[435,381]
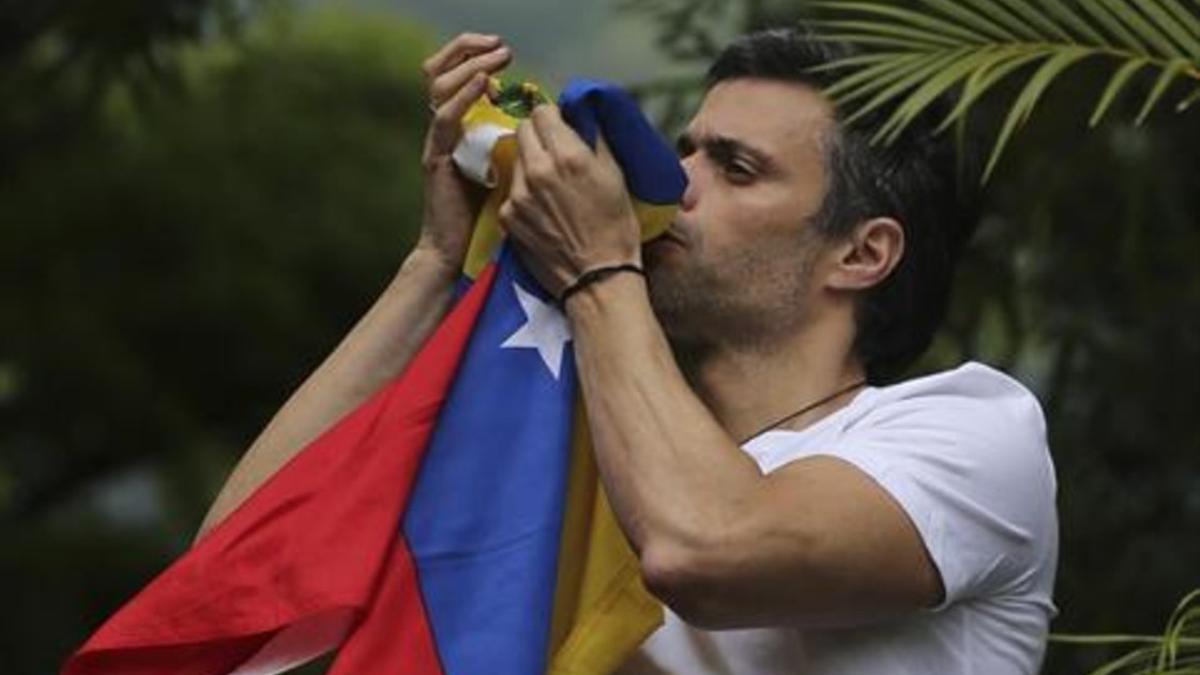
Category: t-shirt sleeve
[967,461]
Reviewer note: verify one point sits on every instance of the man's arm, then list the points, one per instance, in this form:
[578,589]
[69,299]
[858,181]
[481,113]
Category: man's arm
[815,543]
[376,350]
[389,335]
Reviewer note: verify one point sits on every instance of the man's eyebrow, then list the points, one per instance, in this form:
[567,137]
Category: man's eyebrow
[725,146]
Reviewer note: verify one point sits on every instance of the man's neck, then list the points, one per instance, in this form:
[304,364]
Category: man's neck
[748,389]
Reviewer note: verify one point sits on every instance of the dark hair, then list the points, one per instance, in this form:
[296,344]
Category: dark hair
[914,180]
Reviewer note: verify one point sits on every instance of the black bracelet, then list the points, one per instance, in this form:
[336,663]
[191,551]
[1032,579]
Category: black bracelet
[593,275]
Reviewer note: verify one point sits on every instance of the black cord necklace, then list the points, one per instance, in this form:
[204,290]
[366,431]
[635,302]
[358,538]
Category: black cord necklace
[803,410]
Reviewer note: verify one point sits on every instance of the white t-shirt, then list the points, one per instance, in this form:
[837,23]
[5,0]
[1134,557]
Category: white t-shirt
[964,453]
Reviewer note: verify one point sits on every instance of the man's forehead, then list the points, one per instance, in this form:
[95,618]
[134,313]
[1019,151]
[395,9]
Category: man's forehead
[765,114]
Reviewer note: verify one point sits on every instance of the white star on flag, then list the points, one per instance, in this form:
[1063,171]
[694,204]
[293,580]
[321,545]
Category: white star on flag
[545,330]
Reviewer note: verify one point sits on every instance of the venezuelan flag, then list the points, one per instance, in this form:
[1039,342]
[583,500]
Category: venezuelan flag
[452,524]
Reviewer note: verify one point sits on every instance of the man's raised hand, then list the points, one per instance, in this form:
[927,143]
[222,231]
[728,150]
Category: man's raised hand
[456,76]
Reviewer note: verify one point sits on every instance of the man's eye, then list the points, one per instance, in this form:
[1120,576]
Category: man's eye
[738,172]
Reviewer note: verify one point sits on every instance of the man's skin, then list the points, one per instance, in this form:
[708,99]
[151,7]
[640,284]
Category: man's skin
[759,309]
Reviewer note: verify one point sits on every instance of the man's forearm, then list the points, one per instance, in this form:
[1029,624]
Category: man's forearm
[671,471]
[376,350]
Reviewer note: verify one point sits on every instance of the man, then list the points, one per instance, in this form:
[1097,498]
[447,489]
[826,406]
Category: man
[793,518]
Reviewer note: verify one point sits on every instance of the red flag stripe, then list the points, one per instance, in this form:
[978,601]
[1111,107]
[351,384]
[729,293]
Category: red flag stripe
[280,560]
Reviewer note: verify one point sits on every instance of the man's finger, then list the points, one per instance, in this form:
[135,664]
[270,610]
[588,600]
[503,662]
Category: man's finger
[455,51]
[604,153]
[516,206]
[531,155]
[555,135]
[518,190]
[447,121]
[448,83]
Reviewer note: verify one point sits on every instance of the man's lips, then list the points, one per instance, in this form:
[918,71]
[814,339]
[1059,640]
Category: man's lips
[673,235]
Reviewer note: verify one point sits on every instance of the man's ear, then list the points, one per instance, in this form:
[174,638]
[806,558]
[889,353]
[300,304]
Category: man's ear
[867,256]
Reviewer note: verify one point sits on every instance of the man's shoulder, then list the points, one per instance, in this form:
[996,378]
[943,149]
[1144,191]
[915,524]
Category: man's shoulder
[950,418]
[970,379]
[972,393]
[974,417]
[969,445]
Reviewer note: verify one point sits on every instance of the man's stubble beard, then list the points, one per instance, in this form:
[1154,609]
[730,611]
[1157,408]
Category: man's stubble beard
[742,300]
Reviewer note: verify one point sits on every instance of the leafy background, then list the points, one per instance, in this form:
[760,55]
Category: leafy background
[198,197]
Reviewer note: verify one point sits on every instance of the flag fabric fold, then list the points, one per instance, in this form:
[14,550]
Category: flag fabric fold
[452,524]
[486,514]
[306,552]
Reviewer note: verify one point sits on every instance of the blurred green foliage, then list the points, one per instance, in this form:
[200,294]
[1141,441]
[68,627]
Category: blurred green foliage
[179,249]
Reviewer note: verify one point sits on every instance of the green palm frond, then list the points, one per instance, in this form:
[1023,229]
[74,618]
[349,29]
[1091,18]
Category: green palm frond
[913,56]
[1175,652]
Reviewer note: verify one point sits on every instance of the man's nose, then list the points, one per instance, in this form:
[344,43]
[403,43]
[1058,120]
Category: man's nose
[691,192]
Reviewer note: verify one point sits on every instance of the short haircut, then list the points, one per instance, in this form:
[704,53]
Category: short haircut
[915,180]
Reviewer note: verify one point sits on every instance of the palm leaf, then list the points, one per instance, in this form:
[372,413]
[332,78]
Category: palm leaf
[997,12]
[918,36]
[1188,101]
[1177,626]
[1035,17]
[1101,11]
[953,10]
[853,61]
[1169,16]
[1173,69]
[1134,659]
[927,92]
[1070,19]
[875,77]
[928,69]
[1175,652]
[1037,85]
[1114,87]
[1146,31]
[970,46]
[983,79]
[1190,24]
[912,18]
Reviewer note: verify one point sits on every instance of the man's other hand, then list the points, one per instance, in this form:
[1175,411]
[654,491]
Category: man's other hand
[568,208]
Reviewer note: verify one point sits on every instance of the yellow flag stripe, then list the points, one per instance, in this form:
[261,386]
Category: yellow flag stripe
[602,611]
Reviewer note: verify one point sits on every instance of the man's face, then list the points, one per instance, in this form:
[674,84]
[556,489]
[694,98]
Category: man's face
[735,267]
